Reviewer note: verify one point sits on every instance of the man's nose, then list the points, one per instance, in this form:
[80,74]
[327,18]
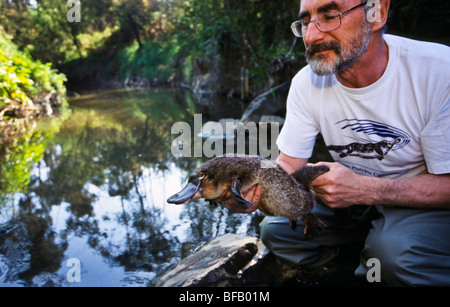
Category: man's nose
[312,34]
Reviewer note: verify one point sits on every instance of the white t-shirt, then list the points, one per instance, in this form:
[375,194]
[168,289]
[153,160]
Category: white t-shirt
[397,127]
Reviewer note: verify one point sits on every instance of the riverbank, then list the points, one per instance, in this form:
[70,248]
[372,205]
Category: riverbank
[16,118]
[29,89]
[111,69]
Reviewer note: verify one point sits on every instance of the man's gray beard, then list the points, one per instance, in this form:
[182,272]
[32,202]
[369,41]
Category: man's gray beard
[358,45]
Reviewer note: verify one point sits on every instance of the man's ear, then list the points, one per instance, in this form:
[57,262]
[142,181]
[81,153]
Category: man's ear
[378,13]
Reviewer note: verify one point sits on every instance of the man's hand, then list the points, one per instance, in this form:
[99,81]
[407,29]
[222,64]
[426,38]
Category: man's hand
[341,187]
[253,196]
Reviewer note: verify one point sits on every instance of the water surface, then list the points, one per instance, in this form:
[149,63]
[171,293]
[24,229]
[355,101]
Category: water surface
[93,186]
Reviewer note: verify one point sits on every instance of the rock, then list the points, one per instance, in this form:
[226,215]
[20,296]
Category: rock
[49,104]
[137,82]
[203,85]
[231,261]
[73,94]
[28,251]
[222,262]
[272,102]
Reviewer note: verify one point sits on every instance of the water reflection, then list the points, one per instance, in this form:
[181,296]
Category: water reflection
[95,188]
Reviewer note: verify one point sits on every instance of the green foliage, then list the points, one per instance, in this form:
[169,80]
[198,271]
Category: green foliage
[22,79]
[23,154]
[96,39]
[16,168]
[246,34]
[14,79]
[42,27]
[151,61]
[157,39]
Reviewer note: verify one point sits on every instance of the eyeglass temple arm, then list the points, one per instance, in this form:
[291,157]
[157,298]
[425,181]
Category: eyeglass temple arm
[354,8]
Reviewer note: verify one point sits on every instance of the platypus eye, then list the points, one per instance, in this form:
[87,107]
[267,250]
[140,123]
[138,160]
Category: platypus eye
[194,179]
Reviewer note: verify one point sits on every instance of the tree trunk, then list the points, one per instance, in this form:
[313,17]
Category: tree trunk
[134,26]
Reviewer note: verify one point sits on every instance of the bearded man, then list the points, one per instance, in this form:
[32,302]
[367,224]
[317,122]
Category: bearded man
[381,103]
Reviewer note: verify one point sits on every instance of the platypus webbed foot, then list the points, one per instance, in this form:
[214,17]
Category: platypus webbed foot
[236,193]
[313,226]
[307,174]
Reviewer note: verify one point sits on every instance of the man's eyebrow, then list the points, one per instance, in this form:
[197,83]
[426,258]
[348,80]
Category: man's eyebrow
[332,6]
[303,14]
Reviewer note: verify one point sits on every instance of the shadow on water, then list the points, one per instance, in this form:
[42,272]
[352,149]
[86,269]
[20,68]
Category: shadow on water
[93,186]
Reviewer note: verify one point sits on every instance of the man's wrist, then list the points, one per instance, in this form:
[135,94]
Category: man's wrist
[373,188]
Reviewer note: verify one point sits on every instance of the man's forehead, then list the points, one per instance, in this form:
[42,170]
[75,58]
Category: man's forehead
[309,7]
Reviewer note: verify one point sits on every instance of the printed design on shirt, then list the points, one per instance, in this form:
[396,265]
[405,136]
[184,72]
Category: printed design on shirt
[383,139]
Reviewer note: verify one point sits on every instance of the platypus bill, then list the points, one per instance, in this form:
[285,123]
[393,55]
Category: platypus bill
[284,195]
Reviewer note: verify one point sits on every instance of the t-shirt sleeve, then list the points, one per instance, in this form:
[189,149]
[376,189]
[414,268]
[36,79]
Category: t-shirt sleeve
[297,138]
[436,139]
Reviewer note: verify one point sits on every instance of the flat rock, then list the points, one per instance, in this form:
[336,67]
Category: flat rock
[221,262]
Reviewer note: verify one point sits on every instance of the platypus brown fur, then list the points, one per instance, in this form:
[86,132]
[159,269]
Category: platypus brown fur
[283,195]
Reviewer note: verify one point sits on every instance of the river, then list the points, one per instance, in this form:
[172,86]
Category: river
[83,196]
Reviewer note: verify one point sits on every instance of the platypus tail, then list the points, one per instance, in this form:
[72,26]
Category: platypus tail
[307,174]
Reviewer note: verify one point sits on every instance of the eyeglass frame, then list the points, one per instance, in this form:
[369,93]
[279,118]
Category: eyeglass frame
[315,20]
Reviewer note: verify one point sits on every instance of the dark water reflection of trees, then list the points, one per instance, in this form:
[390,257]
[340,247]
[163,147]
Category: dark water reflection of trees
[94,186]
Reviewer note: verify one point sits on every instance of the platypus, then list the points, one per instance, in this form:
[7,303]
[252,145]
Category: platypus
[283,195]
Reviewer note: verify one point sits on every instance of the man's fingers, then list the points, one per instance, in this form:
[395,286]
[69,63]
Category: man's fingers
[253,196]
[257,195]
[329,164]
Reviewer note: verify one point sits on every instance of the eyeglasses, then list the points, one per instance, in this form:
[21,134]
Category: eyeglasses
[325,23]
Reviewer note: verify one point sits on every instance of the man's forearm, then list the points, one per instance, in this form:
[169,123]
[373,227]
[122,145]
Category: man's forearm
[423,191]
[341,188]
[290,164]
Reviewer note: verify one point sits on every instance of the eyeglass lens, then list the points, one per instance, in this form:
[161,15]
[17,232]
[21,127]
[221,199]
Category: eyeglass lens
[325,23]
